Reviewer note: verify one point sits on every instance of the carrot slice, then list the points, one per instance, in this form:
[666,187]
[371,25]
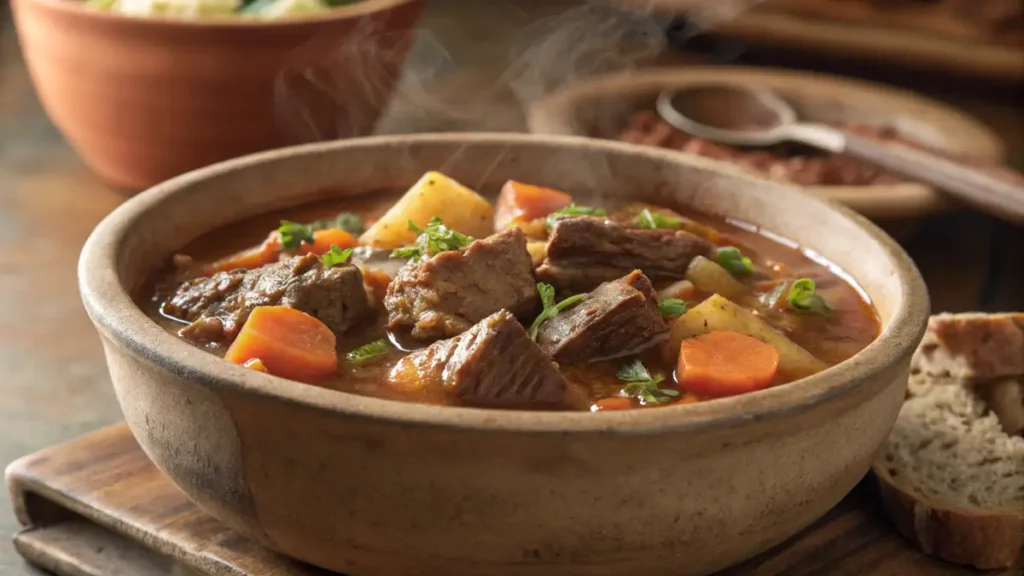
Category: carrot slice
[519,203]
[324,239]
[726,363]
[613,403]
[289,343]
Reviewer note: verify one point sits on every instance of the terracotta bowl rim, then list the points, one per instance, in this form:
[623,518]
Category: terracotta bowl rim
[550,115]
[120,320]
[357,10]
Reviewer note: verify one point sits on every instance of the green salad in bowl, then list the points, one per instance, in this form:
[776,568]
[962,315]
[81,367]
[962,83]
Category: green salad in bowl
[262,9]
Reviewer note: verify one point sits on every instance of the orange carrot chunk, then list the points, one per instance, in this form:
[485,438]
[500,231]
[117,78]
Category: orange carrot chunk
[266,253]
[287,342]
[519,203]
[612,403]
[324,239]
[725,364]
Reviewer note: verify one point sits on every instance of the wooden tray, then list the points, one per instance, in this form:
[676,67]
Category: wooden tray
[915,37]
[97,506]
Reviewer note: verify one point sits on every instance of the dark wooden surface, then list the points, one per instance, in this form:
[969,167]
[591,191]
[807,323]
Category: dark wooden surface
[97,505]
[53,379]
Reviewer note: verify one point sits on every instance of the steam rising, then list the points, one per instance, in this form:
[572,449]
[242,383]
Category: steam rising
[337,88]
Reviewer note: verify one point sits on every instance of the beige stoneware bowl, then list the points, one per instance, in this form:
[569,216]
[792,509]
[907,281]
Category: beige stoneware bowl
[599,107]
[367,486]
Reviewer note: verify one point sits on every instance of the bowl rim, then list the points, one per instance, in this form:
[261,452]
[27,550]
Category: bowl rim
[357,10]
[118,319]
[551,114]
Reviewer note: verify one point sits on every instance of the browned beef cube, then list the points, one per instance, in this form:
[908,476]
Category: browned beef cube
[586,251]
[618,318]
[445,294]
[494,363]
[218,306]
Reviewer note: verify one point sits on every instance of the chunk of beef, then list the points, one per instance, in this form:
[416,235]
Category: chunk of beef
[447,293]
[617,318]
[586,251]
[217,306]
[494,363]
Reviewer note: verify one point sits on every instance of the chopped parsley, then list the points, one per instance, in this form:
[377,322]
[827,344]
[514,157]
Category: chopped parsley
[803,298]
[368,352]
[336,256]
[574,210]
[434,239]
[640,384]
[547,299]
[293,234]
[734,261]
[346,221]
[655,220]
[672,307]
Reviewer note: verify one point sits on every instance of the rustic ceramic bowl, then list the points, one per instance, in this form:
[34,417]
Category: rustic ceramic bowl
[367,486]
[600,106]
[145,99]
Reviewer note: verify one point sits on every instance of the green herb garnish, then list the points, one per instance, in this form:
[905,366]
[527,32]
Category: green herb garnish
[368,352]
[672,307]
[436,238]
[346,221]
[336,256]
[734,261]
[574,210]
[656,220]
[803,298]
[547,299]
[644,386]
[294,234]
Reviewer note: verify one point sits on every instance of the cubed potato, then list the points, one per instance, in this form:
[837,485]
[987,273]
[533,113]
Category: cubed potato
[434,195]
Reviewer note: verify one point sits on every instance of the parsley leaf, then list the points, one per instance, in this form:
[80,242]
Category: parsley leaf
[803,298]
[293,234]
[547,299]
[734,261]
[368,352]
[346,221]
[640,384]
[574,210]
[336,256]
[655,220]
[435,238]
[672,307]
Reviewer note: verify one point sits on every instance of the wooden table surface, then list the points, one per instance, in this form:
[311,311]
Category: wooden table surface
[54,384]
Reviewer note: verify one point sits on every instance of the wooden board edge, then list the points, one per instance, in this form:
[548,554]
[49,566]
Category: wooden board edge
[82,548]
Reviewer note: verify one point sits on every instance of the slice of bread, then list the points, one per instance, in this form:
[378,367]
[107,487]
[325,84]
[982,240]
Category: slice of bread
[973,345]
[951,479]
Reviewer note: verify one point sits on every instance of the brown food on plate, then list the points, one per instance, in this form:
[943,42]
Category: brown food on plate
[586,328]
[784,163]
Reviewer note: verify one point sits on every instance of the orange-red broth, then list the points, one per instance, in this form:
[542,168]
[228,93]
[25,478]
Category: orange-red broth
[852,325]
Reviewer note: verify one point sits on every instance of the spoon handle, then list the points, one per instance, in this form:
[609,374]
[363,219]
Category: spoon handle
[996,190]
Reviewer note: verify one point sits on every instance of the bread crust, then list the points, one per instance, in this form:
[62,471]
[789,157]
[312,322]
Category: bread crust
[972,346]
[987,539]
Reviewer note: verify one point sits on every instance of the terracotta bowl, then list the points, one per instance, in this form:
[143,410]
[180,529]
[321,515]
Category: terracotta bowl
[367,486]
[600,106]
[145,99]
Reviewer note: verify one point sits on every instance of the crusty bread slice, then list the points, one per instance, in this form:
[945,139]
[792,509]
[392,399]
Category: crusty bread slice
[951,479]
[972,345]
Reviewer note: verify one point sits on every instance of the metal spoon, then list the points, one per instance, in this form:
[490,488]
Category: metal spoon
[744,116]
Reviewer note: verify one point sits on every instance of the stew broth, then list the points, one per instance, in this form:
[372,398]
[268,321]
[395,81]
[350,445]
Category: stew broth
[850,325]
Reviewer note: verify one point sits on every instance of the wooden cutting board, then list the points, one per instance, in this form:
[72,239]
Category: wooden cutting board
[97,506]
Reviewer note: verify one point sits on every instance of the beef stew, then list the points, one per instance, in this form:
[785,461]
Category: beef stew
[543,300]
